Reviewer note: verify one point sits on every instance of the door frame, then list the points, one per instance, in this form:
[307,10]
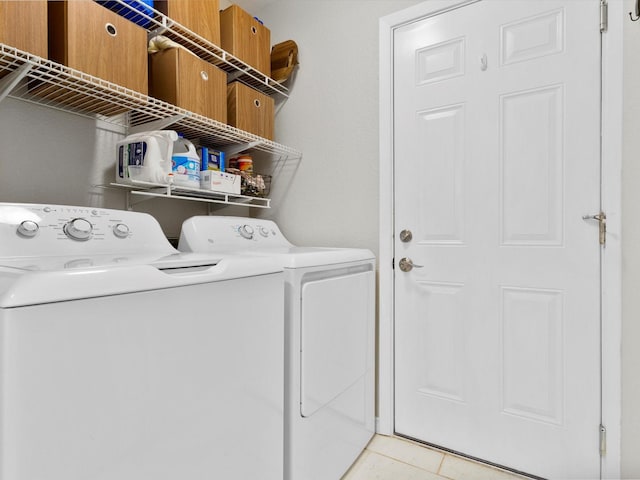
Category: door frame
[612,115]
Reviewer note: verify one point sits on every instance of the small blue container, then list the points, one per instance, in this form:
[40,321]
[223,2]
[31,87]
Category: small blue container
[143,6]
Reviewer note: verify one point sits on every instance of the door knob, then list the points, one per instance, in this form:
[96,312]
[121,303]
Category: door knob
[406,265]
[406,236]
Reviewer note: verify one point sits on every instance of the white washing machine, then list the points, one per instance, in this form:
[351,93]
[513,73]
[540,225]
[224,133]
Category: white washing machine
[122,358]
[329,343]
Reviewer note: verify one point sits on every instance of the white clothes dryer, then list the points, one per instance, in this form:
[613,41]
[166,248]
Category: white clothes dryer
[122,358]
[329,343]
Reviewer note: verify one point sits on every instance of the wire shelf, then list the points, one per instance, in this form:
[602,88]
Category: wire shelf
[159,24]
[33,79]
[148,190]
[37,80]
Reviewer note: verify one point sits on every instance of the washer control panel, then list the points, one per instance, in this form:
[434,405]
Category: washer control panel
[40,230]
[262,232]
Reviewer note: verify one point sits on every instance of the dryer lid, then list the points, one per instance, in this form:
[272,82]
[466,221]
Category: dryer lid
[250,236]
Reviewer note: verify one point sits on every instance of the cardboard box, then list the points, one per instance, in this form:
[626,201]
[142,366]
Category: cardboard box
[200,16]
[222,182]
[178,77]
[246,38]
[23,25]
[88,37]
[250,110]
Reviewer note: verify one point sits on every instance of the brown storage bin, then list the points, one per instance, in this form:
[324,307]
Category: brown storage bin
[182,79]
[250,110]
[88,37]
[245,38]
[23,25]
[199,16]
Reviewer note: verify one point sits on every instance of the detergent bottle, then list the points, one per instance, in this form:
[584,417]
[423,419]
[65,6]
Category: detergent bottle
[185,163]
[145,157]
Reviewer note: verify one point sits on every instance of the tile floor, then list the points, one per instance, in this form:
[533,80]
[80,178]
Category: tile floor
[393,458]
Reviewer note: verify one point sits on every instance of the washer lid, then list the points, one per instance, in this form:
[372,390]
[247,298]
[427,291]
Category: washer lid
[55,279]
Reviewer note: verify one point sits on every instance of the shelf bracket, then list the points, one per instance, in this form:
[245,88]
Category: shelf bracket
[131,202]
[157,124]
[237,148]
[9,82]
[162,25]
[164,192]
[235,75]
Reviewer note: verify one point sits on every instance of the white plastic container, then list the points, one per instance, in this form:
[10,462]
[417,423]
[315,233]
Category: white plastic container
[145,157]
[217,181]
[185,164]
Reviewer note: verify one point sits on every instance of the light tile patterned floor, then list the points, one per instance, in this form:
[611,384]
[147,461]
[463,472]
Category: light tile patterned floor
[393,458]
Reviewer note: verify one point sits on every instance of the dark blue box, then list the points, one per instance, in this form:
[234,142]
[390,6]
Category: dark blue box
[129,11]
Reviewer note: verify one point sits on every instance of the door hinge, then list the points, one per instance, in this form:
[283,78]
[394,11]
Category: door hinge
[602,226]
[603,440]
[604,16]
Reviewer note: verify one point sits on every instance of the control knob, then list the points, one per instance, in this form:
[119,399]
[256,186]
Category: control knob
[28,228]
[121,230]
[78,229]
[246,231]
[263,231]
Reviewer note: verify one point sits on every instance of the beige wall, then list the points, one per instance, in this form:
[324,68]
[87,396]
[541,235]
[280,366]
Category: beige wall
[330,198]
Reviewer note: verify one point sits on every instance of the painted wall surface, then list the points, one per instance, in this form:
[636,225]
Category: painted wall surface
[330,197]
[630,467]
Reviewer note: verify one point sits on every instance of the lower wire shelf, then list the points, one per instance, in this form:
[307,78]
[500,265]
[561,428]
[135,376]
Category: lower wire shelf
[147,191]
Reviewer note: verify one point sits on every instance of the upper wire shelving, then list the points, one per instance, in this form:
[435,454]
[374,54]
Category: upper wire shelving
[41,81]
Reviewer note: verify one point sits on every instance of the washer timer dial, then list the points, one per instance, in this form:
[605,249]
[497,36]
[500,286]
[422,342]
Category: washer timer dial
[78,229]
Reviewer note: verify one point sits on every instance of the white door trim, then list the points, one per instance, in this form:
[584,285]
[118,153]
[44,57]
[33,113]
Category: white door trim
[612,143]
[611,201]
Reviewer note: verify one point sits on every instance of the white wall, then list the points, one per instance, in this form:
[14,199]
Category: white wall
[330,197]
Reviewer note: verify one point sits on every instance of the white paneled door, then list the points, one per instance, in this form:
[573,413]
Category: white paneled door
[497,160]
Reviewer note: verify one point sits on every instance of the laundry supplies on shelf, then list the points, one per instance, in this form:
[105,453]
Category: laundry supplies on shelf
[145,157]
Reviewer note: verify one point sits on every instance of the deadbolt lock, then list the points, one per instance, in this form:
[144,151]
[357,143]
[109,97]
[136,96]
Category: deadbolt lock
[406,236]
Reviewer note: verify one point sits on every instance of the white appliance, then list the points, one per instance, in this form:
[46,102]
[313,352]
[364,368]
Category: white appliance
[122,358]
[330,328]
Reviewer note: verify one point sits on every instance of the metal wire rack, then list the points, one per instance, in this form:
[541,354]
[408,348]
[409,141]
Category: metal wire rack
[37,80]
[159,24]
[30,78]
